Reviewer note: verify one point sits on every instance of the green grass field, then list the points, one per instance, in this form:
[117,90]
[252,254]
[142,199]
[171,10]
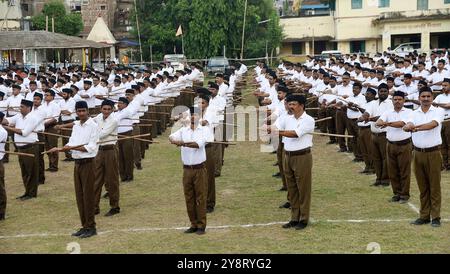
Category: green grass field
[153,211]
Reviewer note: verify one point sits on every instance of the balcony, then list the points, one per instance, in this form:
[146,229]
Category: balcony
[412,15]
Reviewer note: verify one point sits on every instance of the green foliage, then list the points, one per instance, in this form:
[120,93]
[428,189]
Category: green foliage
[208,26]
[66,23]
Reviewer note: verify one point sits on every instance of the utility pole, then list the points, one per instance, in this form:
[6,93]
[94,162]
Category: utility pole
[139,30]
[243,30]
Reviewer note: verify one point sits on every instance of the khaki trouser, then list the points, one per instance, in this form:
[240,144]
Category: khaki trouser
[66,133]
[379,157]
[30,170]
[446,144]
[136,145]
[3,198]
[280,156]
[353,129]
[427,168]
[84,180]
[194,185]
[399,159]
[341,126]
[52,142]
[41,162]
[126,162]
[331,124]
[365,146]
[298,176]
[321,114]
[210,171]
[107,173]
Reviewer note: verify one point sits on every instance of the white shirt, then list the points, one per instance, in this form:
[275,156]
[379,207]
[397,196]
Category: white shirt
[14,102]
[87,135]
[68,105]
[429,138]
[91,100]
[359,100]
[302,126]
[375,109]
[107,128]
[211,117]
[444,99]
[192,156]
[410,91]
[125,120]
[40,114]
[397,134]
[3,139]
[27,124]
[223,88]
[52,109]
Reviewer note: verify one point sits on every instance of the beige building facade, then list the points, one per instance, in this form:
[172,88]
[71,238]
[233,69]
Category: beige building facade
[369,26]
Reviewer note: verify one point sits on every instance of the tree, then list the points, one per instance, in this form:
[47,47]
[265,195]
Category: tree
[66,23]
[208,26]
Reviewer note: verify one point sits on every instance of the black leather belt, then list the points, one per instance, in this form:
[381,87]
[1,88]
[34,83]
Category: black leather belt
[364,127]
[127,133]
[107,147]
[379,134]
[425,150]
[400,143]
[298,152]
[200,166]
[67,122]
[84,161]
[26,146]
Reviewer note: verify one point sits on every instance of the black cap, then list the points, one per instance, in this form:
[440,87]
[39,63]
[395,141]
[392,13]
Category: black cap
[399,94]
[37,94]
[87,82]
[75,87]
[2,115]
[383,85]
[129,91]
[408,76]
[26,103]
[108,103]
[425,89]
[67,90]
[371,90]
[213,85]
[16,87]
[81,105]
[296,98]
[203,91]
[2,94]
[447,80]
[51,91]
[283,88]
[124,100]
[135,87]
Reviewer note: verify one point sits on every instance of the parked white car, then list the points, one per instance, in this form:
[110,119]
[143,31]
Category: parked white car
[176,60]
[407,48]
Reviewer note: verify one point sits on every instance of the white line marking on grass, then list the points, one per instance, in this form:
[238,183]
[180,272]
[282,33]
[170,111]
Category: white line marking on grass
[156,229]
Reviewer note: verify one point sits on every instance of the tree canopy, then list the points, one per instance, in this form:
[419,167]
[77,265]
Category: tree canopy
[208,26]
[66,23]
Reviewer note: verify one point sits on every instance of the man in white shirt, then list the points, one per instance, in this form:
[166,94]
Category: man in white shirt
[40,114]
[296,132]
[24,125]
[53,111]
[67,106]
[125,117]
[14,101]
[355,103]
[88,95]
[192,140]
[425,124]
[343,91]
[399,148]
[106,162]
[443,101]
[409,89]
[3,198]
[365,135]
[373,112]
[84,146]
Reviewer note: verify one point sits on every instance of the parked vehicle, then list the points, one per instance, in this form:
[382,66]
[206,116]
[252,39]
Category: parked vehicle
[407,48]
[177,61]
[217,65]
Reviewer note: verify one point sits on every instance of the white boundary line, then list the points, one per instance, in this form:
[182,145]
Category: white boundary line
[156,229]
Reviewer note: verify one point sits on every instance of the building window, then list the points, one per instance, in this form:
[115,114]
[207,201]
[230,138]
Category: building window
[383,3]
[357,46]
[102,7]
[296,48]
[422,4]
[357,4]
[446,1]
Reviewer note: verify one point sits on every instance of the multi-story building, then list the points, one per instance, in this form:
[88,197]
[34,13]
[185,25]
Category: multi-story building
[370,26]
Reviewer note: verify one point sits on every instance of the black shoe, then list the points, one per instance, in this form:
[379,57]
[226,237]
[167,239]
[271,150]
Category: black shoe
[436,222]
[286,205]
[395,199]
[200,231]
[276,164]
[112,212]
[301,225]
[283,189]
[291,224]
[88,233]
[139,166]
[26,198]
[342,150]
[51,170]
[2,217]
[274,152]
[376,184]
[420,222]
[21,197]
[403,201]
[106,196]
[385,183]
[365,171]
[209,209]
[356,160]
[79,232]
[42,183]
[191,230]
[217,175]
[97,211]
[277,175]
